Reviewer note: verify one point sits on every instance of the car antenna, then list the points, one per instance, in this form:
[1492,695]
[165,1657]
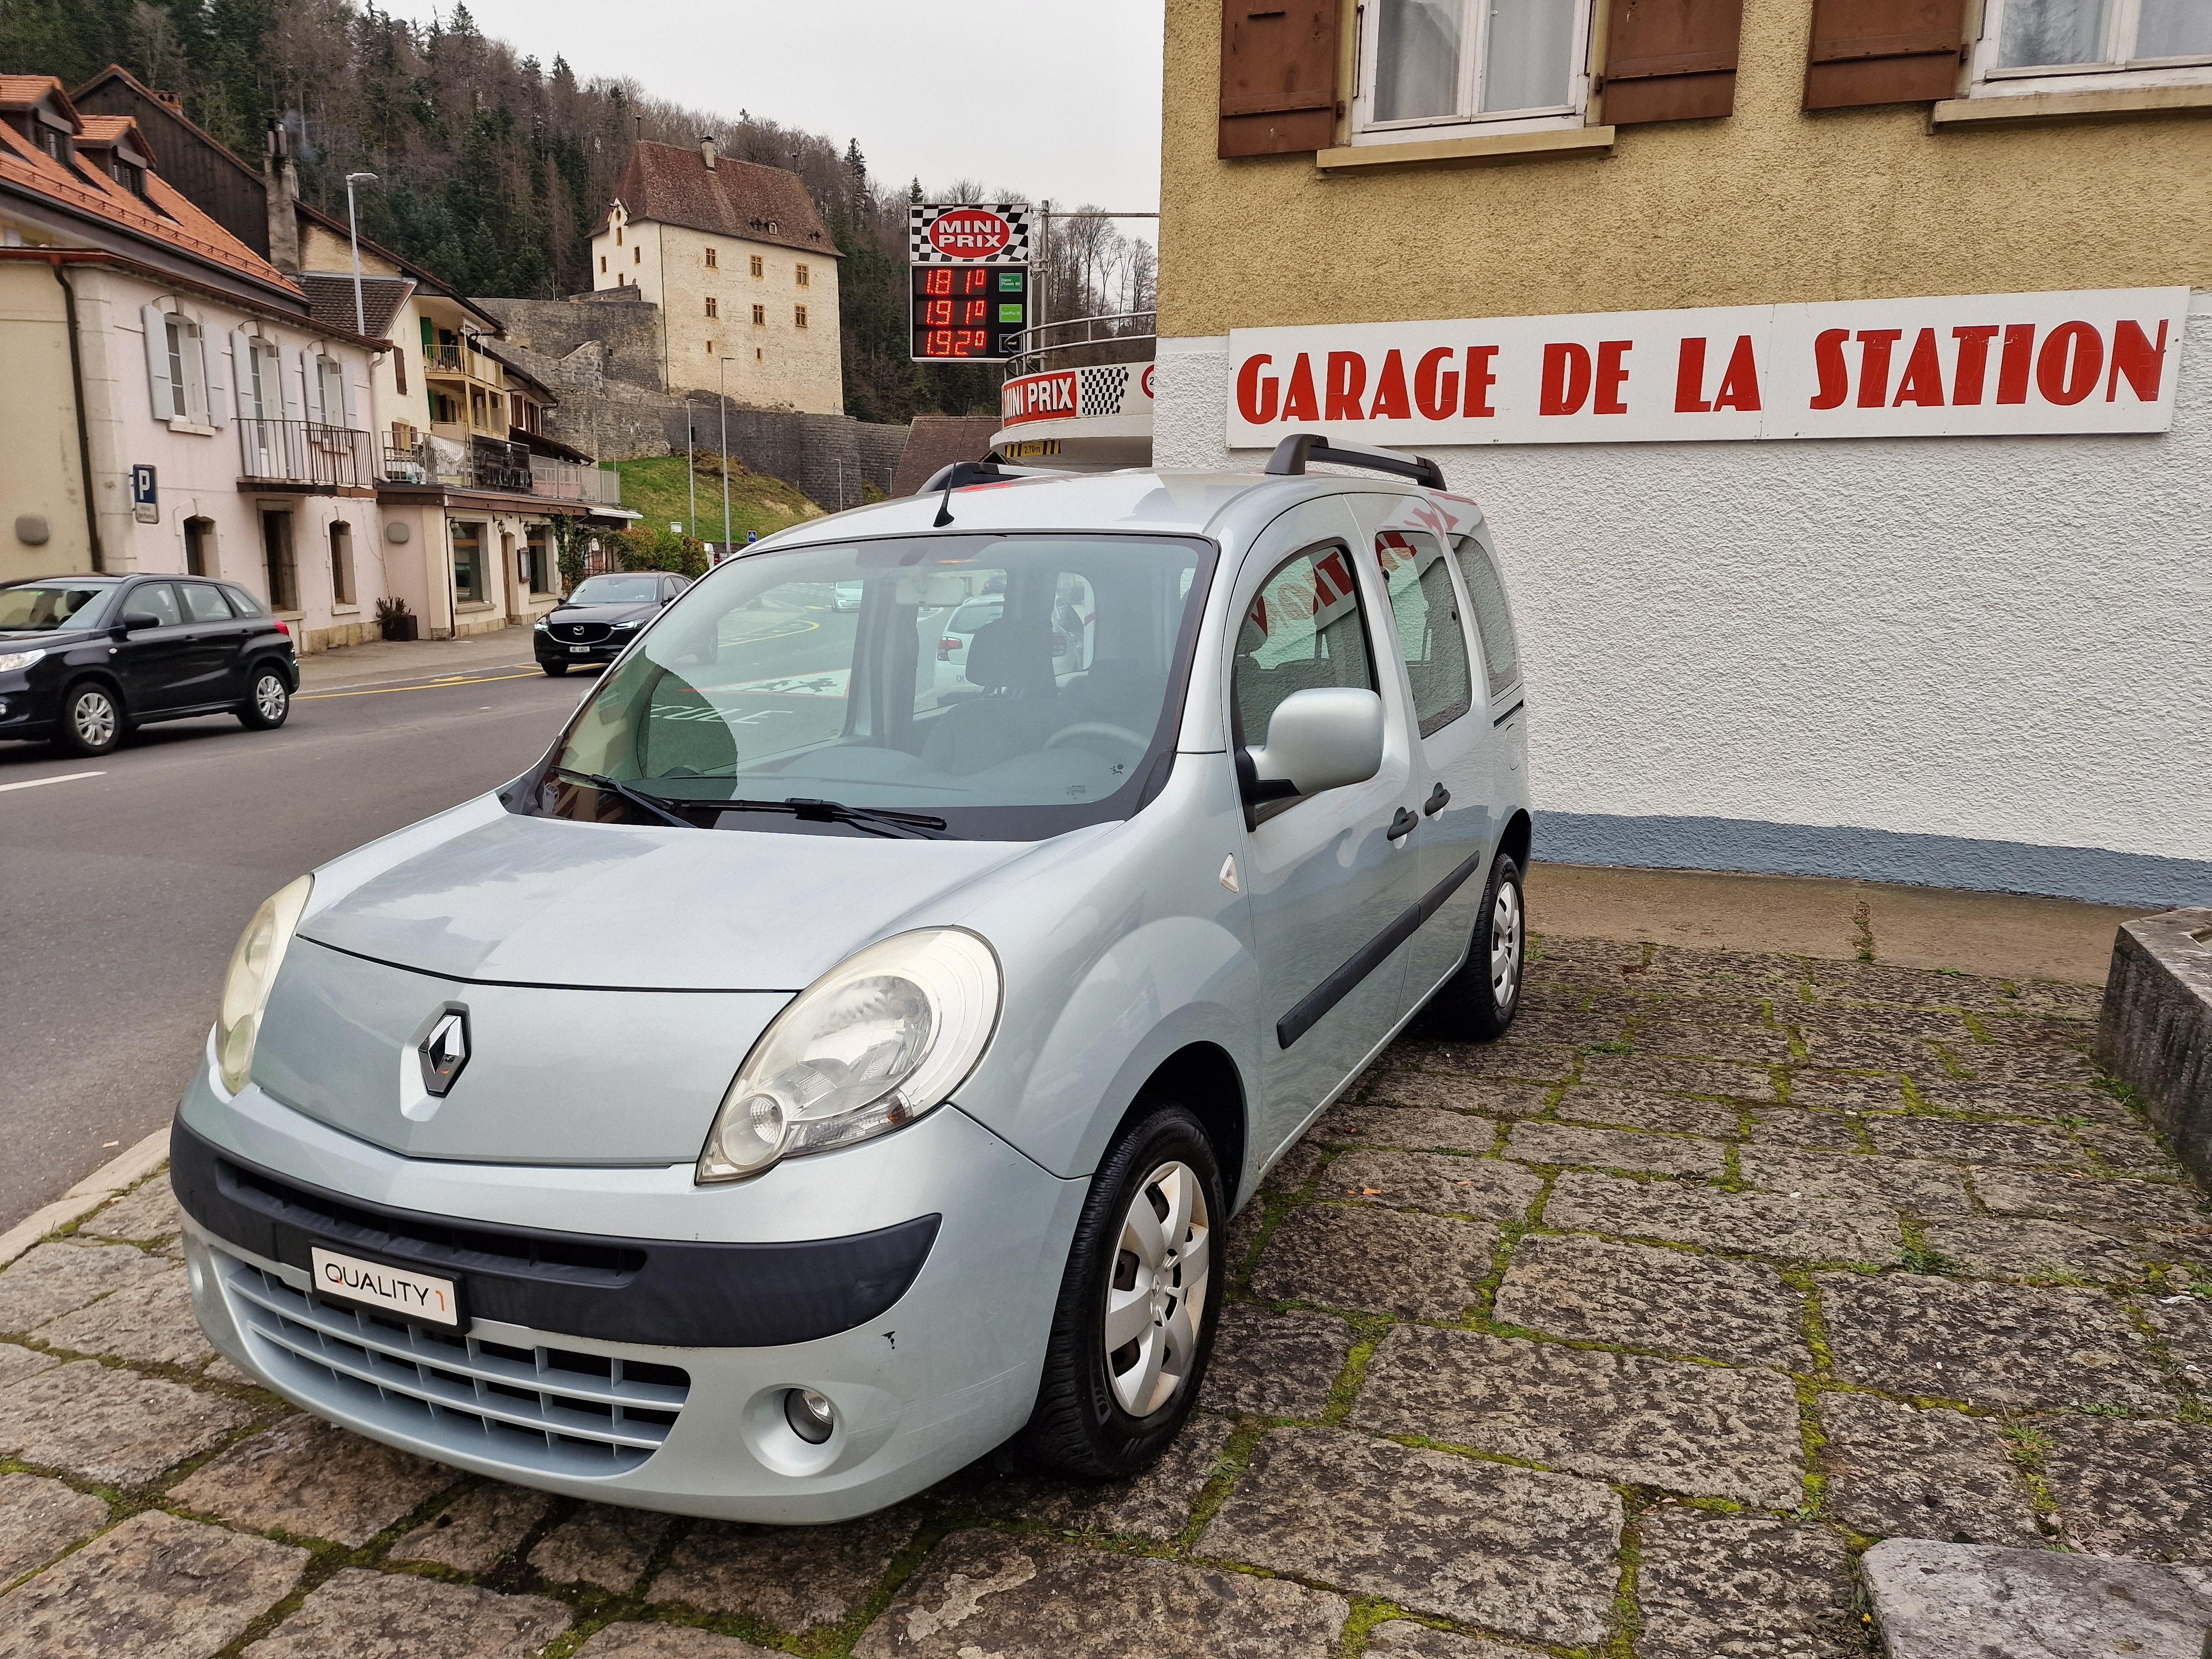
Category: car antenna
[957,476]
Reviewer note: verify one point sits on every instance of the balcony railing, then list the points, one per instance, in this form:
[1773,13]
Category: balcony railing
[1122,337]
[462,359]
[305,452]
[485,464]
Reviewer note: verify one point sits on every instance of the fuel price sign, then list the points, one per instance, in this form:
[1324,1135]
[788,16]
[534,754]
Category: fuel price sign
[970,266]
[976,313]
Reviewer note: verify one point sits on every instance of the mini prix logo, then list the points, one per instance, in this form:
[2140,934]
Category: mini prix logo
[969,233]
[444,1052]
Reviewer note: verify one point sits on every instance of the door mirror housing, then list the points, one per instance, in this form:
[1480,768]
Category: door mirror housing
[130,622]
[1322,738]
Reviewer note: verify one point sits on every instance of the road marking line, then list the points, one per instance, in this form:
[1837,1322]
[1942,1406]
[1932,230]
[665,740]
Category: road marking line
[435,685]
[64,777]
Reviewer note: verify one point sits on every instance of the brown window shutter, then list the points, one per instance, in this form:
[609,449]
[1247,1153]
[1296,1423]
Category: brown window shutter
[1277,76]
[1670,60]
[1883,52]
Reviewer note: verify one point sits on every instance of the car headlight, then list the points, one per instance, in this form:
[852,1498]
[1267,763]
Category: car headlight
[253,966]
[18,659]
[876,1042]
[620,626]
[542,622]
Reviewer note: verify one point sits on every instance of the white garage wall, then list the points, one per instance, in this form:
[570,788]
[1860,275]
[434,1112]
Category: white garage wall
[1931,660]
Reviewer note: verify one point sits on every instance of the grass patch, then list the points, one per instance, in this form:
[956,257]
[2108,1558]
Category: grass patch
[659,488]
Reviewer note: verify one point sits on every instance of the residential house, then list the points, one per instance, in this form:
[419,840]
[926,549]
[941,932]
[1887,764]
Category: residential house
[743,268]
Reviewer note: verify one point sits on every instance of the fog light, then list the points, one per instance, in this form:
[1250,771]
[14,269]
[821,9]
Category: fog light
[811,1417]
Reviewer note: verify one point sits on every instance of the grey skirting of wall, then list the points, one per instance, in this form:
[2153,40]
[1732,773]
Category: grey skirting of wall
[2155,1033]
[1806,849]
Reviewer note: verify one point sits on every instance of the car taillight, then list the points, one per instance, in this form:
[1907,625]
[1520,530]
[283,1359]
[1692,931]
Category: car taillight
[285,629]
[945,648]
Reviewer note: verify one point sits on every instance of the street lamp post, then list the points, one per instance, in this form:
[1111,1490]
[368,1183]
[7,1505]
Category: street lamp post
[353,231]
[724,395]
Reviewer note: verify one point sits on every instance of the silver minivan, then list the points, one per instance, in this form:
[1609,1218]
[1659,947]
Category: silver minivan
[817,1069]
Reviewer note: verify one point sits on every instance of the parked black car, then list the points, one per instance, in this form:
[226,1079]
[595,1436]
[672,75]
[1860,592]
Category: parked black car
[83,660]
[594,623]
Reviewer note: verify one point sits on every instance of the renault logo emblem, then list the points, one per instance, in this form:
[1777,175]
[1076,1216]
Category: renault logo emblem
[444,1052]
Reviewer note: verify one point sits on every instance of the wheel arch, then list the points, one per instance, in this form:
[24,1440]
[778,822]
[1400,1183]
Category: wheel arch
[1514,843]
[1203,1079]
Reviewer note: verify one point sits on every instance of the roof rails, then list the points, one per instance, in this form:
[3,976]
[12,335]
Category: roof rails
[1291,456]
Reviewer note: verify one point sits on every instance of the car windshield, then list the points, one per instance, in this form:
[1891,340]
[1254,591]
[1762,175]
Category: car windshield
[615,590]
[41,605]
[766,683]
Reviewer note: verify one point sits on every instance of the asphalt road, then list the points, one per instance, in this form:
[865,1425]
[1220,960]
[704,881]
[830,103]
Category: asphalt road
[126,889]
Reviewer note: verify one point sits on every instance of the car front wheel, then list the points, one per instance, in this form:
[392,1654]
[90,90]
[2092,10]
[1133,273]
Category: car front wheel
[91,721]
[269,703]
[553,668]
[1134,1323]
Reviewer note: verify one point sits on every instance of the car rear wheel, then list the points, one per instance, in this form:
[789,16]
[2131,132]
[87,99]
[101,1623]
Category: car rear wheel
[1479,1002]
[1135,1324]
[93,721]
[269,705]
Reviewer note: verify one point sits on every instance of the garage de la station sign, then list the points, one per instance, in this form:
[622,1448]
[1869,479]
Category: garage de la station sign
[1988,363]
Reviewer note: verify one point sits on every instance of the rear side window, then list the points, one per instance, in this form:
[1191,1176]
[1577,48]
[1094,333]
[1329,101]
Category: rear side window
[1306,628]
[204,602]
[1432,639]
[1493,620]
[243,602]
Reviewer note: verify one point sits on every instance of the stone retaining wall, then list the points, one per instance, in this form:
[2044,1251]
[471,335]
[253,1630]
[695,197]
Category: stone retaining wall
[2156,1031]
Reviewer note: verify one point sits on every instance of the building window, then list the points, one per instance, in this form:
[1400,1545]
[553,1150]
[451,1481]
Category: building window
[199,547]
[341,563]
[1433,64]
[713,263]
[52,142]
[2051,45]
[603,265]
[617,236]
[758,356]
[185,370]
[799,316]
[714,307]
[130,177]
[468,563]
[760,267]
[621,280]
[710,348]
[399,372]
[637,254]
[537,560]
[329,384]
[760,316]
[277,560]
[799,275]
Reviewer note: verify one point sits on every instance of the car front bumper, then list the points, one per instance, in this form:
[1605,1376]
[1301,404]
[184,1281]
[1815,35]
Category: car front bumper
[944,1372]
[601,651]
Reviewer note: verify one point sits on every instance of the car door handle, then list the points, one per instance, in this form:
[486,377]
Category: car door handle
[1439,798]
[1401,825]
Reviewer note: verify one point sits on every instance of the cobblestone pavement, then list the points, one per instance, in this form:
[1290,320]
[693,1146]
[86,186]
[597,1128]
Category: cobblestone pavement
[1621,1338]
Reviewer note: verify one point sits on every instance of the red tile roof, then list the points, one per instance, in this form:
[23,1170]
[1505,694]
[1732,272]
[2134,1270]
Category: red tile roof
[21,91]
[670,184]
[85,189]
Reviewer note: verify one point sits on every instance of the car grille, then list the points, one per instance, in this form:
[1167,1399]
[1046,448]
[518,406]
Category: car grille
[552,1410]
[579,633]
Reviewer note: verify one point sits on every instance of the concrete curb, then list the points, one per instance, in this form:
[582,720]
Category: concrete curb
[109,1179]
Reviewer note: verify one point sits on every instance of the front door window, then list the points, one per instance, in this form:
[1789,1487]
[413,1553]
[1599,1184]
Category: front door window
[277,561]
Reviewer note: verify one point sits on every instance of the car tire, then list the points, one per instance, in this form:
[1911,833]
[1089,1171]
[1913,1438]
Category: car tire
[93,721]
[1478,1003]
[1106,1411]
[269,704]
[555,669]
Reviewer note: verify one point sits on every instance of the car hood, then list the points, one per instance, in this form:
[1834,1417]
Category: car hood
[601,613]
[46,639]
[541,900]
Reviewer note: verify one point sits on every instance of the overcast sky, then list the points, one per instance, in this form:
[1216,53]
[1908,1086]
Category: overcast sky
[1058,98]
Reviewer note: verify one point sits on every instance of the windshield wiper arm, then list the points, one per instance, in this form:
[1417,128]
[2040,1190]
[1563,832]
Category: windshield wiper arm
[653,804]
[881,820]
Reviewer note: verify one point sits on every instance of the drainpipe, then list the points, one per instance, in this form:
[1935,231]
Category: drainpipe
[84,426]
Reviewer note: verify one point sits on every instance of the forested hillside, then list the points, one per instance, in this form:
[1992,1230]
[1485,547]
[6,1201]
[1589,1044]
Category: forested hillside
[495,166]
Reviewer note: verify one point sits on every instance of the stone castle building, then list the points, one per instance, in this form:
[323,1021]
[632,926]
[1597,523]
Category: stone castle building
[741,270]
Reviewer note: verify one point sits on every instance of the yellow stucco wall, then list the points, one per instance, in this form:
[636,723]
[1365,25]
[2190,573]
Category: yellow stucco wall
[777,364]
[41,470]
[1771,204]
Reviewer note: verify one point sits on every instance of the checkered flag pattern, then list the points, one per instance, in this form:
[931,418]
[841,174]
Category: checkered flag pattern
[920,216]
[1100,390]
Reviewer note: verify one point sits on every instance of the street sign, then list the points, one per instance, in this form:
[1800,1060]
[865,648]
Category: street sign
[145,497]
[970,286]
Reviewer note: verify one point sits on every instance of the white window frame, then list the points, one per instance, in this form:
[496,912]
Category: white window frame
[186,349]
[1573,112]
[2115,71]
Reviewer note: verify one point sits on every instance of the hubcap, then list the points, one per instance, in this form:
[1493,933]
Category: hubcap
[1505,947]
[269,696]
[1155,1304]
[93,717]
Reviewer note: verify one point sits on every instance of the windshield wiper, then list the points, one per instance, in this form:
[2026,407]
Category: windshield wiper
[880,820]
[653,804]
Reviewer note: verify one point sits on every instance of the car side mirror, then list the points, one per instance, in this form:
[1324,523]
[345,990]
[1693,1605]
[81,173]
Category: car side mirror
[1322,738]
[130,622]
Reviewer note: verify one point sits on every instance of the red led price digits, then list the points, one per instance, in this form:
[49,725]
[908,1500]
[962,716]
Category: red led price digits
[939,281]
[937,313]
[974,311]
